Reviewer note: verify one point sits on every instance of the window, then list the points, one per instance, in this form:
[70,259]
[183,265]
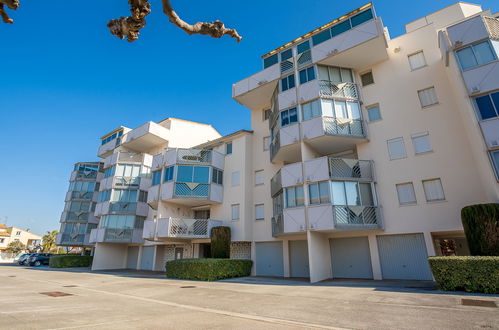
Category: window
[367,78]
[266,143]
[156,178]
[143,196]
[488,106]
[307,74]
[218,176]
[194,174]
[319,192]
[361,17]
[2,240]
[288,82]
[321,37]
[334,74]
[311,109]
[396,148]
[259,212]
[234,211]
[104,196]
[474,55]
[124,195]
[127,170]
[433,190]
[427,97]
[277,203]
[294,196]
[18,233]
[235,178]
[259,177]
[303,47]
[287,54]
[289,116]
[373,113]
[169,174]
[269,61]
[108,172]
[351,193]
[421,142]
[266,114]
[417,60]
[405,192]
[119,222]
[228,148]
[340,28]
[494,155]
[112,137]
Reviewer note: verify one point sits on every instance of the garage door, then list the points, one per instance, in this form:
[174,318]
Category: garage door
[298,259]
[147,261]
[269,259]
[350,258]
[132,256]
[404,257]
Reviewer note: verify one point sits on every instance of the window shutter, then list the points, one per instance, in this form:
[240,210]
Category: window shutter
[433,190]
[406,193]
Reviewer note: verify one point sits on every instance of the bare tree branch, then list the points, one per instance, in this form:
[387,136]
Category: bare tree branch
[214,29]
[130,26]
[11,4]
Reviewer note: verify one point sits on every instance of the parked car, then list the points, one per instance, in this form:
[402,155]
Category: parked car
[23,259]
[38,259]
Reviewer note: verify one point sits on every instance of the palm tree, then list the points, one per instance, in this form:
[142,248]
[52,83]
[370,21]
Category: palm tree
[48,241]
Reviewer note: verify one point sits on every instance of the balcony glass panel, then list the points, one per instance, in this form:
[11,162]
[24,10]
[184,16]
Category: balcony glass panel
[194,156]
[362,17]
[192,190]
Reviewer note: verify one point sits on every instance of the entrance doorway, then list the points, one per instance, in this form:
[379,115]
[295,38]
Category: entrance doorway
[204,250]
[179,253]
[201,214]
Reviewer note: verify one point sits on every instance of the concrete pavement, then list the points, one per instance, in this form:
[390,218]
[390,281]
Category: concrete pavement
[124,300]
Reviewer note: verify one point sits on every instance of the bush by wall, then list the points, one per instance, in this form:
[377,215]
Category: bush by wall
[220,242]
[207,269]
[471,274]
[481,226]
[68,261]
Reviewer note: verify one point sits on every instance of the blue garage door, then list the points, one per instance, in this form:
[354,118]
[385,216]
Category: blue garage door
[404,257]
[146,261]
[350,258]
[132,256]
[298,259]
[269,259]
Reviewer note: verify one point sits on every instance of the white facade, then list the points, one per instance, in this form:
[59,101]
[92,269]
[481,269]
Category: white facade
[364,149]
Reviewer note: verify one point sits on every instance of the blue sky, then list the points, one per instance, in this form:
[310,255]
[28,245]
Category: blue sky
[65,81]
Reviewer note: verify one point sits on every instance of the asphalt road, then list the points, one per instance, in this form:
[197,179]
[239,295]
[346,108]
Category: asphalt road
[124,300]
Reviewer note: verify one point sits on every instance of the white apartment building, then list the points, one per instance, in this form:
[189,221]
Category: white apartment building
[364,149]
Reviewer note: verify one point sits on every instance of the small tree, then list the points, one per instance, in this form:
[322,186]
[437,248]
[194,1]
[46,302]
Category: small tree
[220,242]
[48,241]
[481,226]
[15,247]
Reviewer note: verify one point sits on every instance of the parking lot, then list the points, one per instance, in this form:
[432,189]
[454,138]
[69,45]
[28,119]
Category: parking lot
[42,298]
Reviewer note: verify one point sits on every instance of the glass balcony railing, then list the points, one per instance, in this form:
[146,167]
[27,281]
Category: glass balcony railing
[118,235]
[194,156]
[277,225]
[78,195]
[122,207]
[192,190]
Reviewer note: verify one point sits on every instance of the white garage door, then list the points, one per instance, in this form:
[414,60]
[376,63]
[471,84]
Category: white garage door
[350,258]
[269,261]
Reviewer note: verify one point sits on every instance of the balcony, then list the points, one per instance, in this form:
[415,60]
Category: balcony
[116,235]
[136,208]
[128,158]
[290,221]
[107,149]
[188,194]
[146,137]
[483,78]
[193,157]
[125,182]
[63,239]
[286,146]
[179,229]
[338,90]
[490,129]
[344,217]
[288,176]
[349,48]
[329,135]
[256,91]
[472,30]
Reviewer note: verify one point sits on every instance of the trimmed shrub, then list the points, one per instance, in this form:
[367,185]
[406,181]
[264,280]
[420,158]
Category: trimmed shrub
[471,274]
[68,261]
[207,269]
[220,242]
[481,226]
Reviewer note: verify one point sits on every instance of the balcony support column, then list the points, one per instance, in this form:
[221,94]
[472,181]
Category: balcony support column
[319,256]
[375,262]
[430,248]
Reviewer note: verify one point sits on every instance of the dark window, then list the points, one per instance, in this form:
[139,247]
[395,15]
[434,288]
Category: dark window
[488,106]
[287,82]
[168,174]
[228,148]
[269,61]
[362,17]
[307,75]
[289,117]
[217,176]
[367,78]
[321,37]
[303,47]
[266,114]
[286,54]
[340,28]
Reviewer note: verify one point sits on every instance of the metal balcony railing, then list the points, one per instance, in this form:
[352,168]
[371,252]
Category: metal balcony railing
[343,126]
[276,183]
[275,146]
[356,217]
[192,190]
[304,58]
[492,24]
[126,181]
[348,169]
[277,225]
[122,207]
[330,89]
[194,156]
[118,235]
[190,228]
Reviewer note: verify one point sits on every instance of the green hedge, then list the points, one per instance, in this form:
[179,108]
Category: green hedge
[207,269]
[481,226]
[220,242]
[471,274]
[68,261]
